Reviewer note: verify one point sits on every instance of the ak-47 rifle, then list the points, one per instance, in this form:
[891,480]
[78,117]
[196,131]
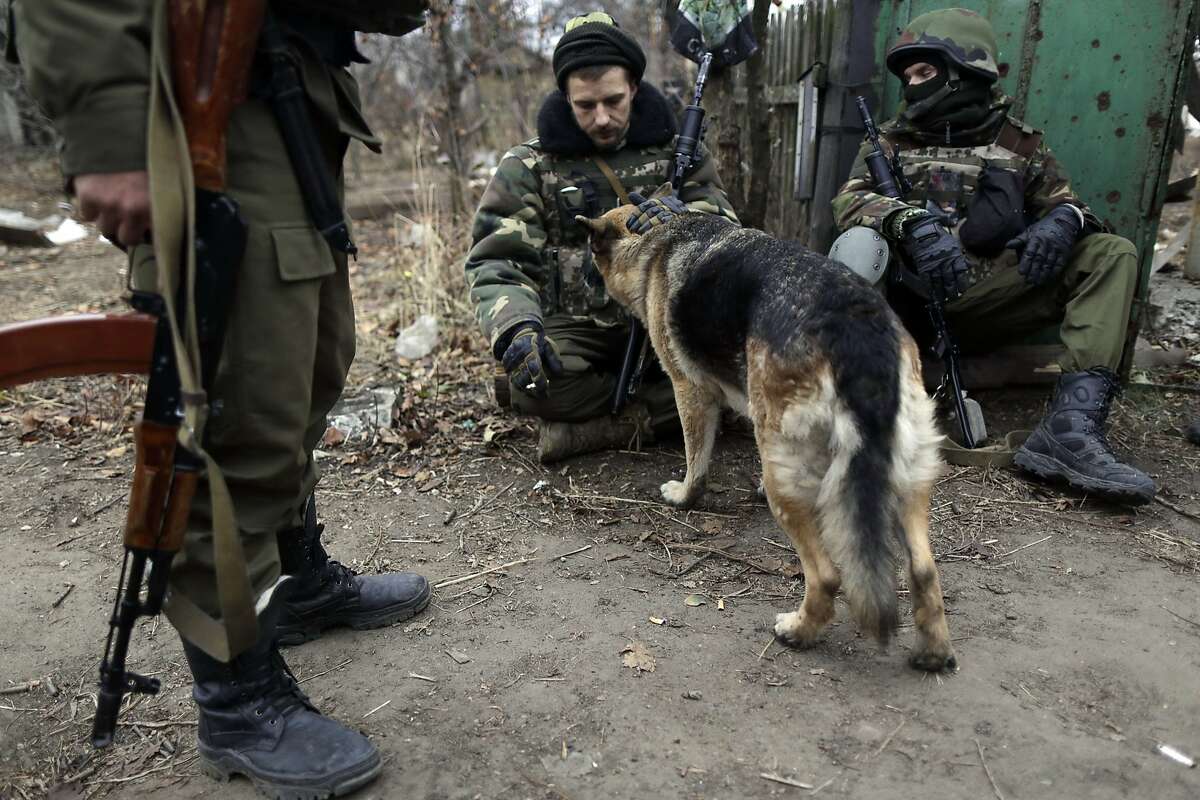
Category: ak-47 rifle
[212,49]
[890,181]
[691,132]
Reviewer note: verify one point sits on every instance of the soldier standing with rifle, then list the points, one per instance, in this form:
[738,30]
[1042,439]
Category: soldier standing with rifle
[994,229]
[287,346]
[604,136]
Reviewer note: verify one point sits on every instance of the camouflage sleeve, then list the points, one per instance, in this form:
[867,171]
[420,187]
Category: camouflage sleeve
[504,268]
[1048,185]
[857,203]
[88,65]
[702,189]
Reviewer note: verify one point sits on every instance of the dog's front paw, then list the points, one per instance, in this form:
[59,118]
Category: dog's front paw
[934,659]
[676,493]
[795,630]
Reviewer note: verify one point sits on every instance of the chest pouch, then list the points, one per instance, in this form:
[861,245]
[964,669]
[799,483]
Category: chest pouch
[996,213]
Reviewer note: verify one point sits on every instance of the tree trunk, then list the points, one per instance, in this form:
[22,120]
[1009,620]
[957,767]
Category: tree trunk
[756,109]
[452,88]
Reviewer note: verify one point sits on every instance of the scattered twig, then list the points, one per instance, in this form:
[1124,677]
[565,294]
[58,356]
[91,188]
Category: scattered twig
[889,738]
[326,672]
[770,776]
[425,678]
[1180,511]
[573,552]
[28,686]
[987,770]
[482,504]
[770,642]
[826,783]
[548,680]
[1180,616]
[474,575]
[376,708]
[700,548]
[185,723]
[63,596]
[1023,547]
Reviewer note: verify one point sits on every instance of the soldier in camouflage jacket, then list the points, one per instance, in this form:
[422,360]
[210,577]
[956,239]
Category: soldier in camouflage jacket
[994,228]
[604,134]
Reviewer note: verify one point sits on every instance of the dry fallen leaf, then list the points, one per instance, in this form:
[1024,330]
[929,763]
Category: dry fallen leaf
[637,657]
[333,437]
[711,526]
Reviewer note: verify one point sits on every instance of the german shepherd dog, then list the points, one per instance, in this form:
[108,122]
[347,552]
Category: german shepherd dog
[832,382]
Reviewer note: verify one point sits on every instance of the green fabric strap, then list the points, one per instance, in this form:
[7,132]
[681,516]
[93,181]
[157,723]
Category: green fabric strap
[172,208]
[996,455]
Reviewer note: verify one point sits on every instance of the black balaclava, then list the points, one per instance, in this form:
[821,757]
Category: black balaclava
[950,101]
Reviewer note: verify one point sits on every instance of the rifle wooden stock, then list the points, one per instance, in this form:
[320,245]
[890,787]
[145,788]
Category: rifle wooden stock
[80,344]
[212,48]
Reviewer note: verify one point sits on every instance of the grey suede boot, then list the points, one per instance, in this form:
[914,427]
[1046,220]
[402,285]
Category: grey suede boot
[326,594]
[1069,443]
[559,440]
[255,721]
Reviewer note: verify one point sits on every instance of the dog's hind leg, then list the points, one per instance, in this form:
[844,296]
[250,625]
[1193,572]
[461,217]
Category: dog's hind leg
[699,414]
[933,651]
[799,519]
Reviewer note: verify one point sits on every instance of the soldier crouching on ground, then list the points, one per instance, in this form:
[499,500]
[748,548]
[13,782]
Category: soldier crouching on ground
[603,137]
[993,225]
[287,351]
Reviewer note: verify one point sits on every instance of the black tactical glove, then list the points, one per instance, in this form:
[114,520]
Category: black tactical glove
[1045,245]
[529,358]
[654,212]
[936,256]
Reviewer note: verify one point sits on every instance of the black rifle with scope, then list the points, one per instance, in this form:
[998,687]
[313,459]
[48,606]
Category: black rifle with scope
[890,181]
[682,160]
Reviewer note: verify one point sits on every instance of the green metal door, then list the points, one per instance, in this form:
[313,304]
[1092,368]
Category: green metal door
[1102,79]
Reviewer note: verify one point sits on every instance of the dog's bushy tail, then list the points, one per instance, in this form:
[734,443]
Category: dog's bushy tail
[861,522]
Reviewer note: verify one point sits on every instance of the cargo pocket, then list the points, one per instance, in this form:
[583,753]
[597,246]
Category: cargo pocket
[302,254]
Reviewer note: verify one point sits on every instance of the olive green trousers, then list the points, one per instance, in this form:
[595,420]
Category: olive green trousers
[288,346]
[1089,302]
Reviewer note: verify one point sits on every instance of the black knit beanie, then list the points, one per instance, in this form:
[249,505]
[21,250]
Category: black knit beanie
[594,42]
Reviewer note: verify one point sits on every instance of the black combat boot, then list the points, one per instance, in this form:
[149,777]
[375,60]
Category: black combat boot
[1069,443]
[255,721]
[324,593]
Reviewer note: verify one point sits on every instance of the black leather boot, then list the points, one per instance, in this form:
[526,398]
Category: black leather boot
[324,593]
[1069,443]
[255,721]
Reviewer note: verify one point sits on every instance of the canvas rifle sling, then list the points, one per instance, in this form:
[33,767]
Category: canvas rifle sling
[173,211]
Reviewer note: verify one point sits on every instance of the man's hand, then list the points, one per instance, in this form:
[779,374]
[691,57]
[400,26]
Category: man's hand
[1045,245]
[936,256]
[653,212]
[119,204]
[530,358]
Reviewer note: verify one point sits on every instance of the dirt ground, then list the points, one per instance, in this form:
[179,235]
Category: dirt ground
[616,648]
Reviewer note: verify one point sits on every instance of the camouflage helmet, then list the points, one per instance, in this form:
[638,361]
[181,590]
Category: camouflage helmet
[961,36]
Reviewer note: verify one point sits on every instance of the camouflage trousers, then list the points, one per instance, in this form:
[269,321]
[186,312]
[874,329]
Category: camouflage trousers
[591,357]
[1089,302]
[288,347]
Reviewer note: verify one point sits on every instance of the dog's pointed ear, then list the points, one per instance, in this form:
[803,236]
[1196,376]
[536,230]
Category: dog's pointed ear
[662,191]
[594,226]
[603,231]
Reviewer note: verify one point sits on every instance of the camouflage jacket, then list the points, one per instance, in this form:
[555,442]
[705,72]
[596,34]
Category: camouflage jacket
[943,177]
[529,258]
